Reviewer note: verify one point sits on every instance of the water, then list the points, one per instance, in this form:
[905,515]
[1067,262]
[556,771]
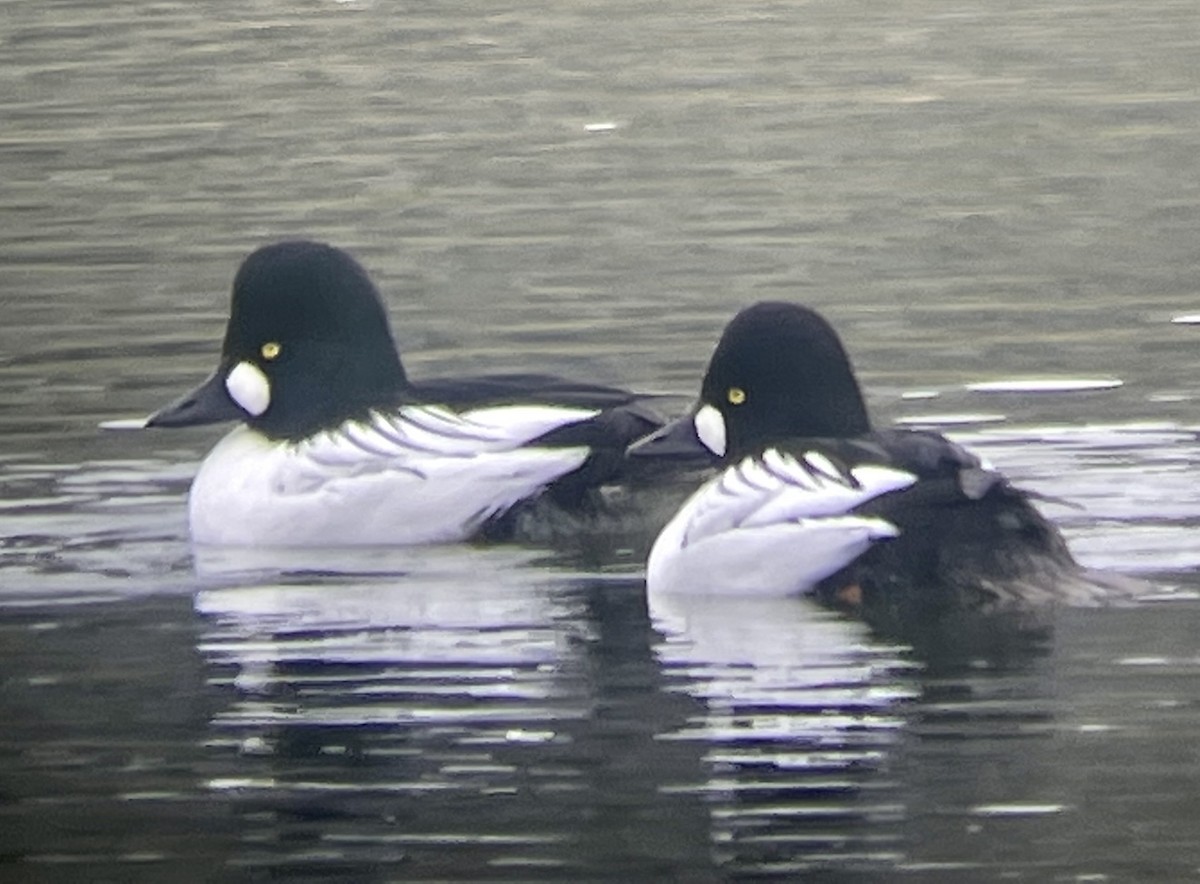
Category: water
[972,192]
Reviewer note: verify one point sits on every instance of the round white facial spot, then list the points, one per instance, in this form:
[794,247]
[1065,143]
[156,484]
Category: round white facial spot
[249,388]
[710,428]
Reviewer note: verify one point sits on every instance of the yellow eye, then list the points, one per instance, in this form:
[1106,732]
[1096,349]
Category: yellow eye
[270,350]
[736,395]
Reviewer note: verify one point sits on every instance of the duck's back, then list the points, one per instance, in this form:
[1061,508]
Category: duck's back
[968,539]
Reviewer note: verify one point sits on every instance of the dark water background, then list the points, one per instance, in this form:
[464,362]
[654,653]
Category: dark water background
[972,191]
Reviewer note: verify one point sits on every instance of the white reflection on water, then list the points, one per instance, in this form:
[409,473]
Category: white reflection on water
[374,648]
[1044,385]
[442,676]
[800,716]
[477,698]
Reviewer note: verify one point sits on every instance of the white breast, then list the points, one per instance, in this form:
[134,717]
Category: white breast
[418,475]
[774,525]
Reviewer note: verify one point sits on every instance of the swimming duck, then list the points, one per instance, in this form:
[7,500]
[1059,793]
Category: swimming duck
[336,446]
[812,499]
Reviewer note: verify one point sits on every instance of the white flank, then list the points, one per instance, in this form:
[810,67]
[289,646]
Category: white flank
[774,525]
[420,475]
[249,388]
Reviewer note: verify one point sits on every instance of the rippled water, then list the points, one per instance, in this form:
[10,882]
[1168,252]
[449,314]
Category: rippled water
[974,193]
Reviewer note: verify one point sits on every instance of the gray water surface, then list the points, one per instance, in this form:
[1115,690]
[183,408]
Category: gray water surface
[972,192]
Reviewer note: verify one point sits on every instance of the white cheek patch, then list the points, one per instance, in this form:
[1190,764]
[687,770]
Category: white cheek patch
[249,388]
[710,428]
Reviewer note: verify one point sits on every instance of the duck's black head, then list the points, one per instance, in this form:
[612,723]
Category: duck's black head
[307,346]
[779,372]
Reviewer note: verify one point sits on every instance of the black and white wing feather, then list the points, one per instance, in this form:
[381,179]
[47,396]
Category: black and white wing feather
[771,525]
[421,474]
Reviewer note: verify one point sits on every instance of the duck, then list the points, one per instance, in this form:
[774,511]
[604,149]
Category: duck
[810,499]
[336,446]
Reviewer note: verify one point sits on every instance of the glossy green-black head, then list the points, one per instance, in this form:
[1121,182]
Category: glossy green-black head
[307,346]
[779,372]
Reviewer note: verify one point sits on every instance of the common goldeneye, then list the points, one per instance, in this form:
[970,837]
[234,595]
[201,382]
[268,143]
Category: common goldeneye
[338,447]
[811,499]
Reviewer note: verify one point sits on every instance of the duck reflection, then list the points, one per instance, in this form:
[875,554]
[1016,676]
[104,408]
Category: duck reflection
[801,712]
[456,711]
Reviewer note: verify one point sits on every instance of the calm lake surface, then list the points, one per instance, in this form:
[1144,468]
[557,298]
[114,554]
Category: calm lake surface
[971,191]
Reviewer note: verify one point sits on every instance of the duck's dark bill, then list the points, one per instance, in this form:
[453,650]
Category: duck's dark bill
[675,439]
[209,403]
